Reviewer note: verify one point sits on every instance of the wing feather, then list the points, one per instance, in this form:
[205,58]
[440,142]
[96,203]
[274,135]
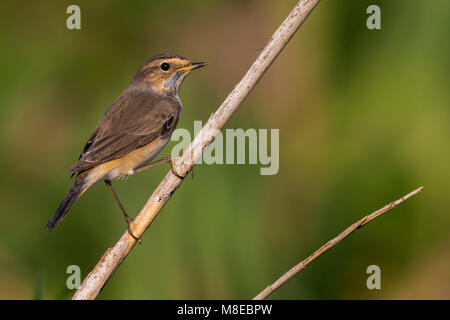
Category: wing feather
[135,119]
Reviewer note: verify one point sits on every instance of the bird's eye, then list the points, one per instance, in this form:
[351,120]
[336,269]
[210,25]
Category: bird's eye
[164,66]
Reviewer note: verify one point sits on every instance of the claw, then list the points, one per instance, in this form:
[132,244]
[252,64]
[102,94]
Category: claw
[174,171]
[131,234]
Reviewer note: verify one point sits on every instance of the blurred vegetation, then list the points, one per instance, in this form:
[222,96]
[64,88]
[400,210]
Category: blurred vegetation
[363,118]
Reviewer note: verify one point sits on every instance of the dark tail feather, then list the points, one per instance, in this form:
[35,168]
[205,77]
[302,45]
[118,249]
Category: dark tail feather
[75,191]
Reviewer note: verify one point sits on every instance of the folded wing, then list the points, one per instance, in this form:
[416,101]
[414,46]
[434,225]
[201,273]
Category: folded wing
[135,119]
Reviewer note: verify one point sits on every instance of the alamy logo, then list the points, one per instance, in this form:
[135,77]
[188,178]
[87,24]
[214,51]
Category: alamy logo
[374,281]
[374,20]
[230,148]
[74,20]
[74,280]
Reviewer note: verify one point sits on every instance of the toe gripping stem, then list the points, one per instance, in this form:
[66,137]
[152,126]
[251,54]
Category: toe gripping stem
[175,173]
[132,235]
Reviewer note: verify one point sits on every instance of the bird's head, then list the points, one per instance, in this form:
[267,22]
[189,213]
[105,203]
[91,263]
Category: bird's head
[165,72]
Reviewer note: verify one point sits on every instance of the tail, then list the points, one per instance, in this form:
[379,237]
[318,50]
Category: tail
[76,190]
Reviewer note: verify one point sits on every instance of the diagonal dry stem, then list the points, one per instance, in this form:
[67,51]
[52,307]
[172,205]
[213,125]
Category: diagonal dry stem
[302,265]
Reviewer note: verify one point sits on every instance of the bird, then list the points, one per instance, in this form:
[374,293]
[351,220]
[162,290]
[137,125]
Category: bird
[132,132]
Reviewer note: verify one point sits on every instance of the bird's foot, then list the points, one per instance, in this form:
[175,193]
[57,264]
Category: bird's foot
[174,171]
[129,220]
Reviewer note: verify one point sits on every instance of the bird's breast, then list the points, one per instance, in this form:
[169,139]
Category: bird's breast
[125,166]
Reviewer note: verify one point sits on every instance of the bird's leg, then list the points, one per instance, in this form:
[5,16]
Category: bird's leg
[128,219]
[161,161]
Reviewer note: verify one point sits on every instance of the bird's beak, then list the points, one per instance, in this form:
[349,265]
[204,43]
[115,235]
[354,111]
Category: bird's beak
[192,66]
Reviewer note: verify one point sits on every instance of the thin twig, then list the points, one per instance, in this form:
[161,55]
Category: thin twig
[302,265]
[113,257]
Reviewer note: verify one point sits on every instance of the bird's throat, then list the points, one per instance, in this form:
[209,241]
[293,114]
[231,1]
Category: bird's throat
[175,81]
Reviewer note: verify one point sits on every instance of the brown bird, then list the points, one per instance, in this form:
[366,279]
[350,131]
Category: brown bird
[133,130]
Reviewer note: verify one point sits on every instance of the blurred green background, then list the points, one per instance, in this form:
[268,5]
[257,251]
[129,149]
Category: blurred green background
[364,118]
